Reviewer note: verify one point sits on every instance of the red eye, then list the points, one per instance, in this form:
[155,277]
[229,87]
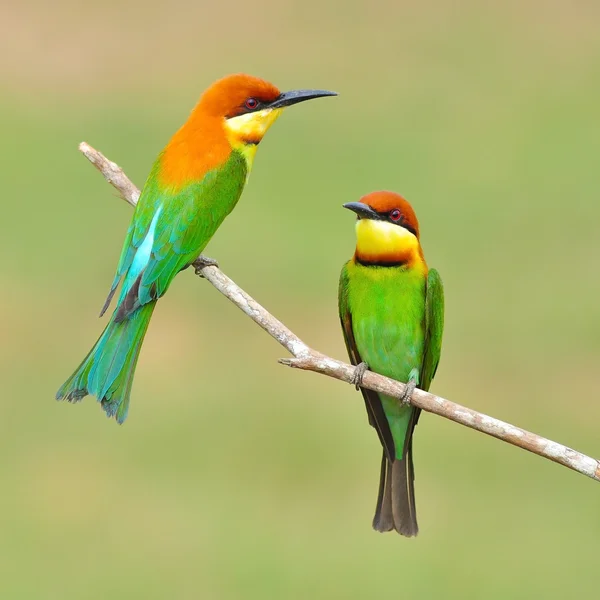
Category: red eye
[395,215]
[251,103]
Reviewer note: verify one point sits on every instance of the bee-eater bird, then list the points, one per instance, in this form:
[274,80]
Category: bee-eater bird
[194,184]
[392,314]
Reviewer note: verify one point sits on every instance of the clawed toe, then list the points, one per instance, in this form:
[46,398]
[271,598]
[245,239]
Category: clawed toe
[408,392]
[203,261]
[359,373]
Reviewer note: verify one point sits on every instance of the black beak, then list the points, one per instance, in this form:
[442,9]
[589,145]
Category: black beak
[363,211]
[295,96]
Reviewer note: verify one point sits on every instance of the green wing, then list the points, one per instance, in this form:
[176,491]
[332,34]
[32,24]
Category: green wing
[434,327]
[377,418]
[169,230]
[183,229]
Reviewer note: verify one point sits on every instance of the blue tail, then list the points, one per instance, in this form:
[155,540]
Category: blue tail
[107,371]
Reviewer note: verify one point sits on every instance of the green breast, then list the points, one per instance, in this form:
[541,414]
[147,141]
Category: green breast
[388,317]
[387,305]
[210,200]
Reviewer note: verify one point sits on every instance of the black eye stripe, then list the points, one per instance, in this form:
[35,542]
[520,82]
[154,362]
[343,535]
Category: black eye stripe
[408,228]
[242,109]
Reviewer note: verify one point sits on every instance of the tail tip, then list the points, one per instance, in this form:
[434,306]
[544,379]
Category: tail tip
[404,529]
[382,525]
[114,409]
[408,529]
[72,395]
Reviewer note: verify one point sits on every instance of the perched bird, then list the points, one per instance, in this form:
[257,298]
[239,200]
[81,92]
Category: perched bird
[392,314]
[194,184]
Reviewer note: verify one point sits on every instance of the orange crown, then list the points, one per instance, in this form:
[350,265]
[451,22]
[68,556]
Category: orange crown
[388,201]
[201,144]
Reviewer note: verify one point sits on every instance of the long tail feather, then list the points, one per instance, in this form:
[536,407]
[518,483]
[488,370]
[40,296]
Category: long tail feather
[384,519]
[396,499]
[107,371]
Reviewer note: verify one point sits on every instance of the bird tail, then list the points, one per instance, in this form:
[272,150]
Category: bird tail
[396,499]
[107,371]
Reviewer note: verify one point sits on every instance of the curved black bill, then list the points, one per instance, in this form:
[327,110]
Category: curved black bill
[362,210]
[295,96]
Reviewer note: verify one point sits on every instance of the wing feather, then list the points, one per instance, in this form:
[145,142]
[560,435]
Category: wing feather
[377,418]
[185,221]
[434,328]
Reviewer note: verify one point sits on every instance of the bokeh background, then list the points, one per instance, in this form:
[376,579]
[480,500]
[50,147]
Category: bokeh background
[234,477]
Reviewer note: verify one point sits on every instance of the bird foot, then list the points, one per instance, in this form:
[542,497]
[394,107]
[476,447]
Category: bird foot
[359,373]
[408,392]
[203,261]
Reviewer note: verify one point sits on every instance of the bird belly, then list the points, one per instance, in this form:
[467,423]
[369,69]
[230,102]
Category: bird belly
[388,319]
[388,323]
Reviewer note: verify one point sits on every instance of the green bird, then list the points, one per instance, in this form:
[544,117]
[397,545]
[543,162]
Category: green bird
[194,184]
[392,314]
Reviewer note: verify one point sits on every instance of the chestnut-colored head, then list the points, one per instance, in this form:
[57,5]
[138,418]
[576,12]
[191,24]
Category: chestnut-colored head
[249,106]
[233,113]
[235,95]
[387,230]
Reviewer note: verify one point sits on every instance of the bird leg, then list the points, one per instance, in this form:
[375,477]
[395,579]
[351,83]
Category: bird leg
[359,373]
[203,261]
[410,386]
[408,392]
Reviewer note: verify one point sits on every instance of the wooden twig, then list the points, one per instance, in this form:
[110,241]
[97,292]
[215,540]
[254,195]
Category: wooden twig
[304,357]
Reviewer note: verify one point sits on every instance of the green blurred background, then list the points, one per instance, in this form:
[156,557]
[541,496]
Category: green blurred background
[235,477]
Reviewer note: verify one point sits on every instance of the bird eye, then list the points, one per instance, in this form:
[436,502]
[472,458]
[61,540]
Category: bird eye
[251,103]
[395,215]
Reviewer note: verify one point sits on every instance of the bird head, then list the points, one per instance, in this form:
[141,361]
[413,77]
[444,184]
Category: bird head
[234,113]
[387,230]
[248,106]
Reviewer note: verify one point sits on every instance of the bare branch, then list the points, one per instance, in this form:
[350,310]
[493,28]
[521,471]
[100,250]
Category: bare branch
[112,173]
[308,359]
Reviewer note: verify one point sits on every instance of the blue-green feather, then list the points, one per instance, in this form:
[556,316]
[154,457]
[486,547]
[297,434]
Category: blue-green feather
[176,226]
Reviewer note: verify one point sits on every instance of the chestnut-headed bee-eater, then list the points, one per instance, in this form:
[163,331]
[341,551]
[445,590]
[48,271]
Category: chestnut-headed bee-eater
[194,184]
[392,314]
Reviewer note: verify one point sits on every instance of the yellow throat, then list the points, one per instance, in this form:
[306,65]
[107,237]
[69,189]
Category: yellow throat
[385,242]
[246,131]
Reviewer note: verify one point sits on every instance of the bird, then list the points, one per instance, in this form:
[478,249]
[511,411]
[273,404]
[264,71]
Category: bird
[195,182]
[391,308]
